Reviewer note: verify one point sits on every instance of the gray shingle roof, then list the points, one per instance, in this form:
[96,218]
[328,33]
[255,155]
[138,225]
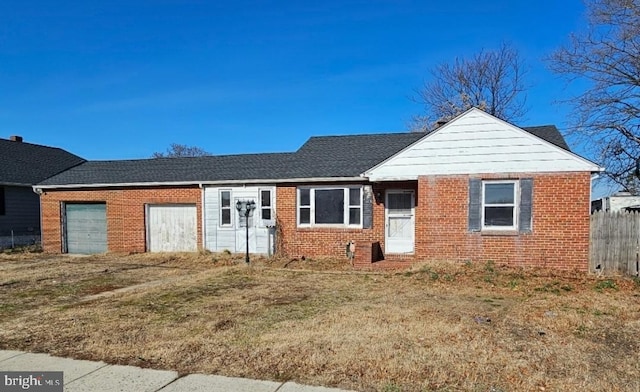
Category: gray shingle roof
[319,157]
[188,169]
[29,164]
[549,133]
[348,156]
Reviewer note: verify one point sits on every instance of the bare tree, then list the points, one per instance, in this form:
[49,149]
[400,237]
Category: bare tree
[607,57]
[490,80]
[181,150]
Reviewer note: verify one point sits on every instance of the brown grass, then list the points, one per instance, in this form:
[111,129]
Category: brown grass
[440,327]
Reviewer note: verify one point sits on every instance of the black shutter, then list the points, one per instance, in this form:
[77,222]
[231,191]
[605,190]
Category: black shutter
[2,204]
[475,204]
[526,205]
[367,207]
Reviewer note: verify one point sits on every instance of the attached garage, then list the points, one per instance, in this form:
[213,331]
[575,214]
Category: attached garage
[85,228]
[171,228]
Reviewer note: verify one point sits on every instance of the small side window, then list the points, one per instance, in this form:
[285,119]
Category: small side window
[304,206]
[225,208]
[265,204]
[355,204]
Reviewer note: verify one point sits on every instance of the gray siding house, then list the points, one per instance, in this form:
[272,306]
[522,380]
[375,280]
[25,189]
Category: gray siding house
[23,165]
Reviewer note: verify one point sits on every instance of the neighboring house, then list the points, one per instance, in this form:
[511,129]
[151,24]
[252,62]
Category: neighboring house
[619,201]
[23,165]
[475,189]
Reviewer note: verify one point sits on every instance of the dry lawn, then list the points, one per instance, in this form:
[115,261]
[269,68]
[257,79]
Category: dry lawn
[440,327]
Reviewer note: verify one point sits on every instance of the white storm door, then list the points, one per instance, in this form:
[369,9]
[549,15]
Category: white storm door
[399,222]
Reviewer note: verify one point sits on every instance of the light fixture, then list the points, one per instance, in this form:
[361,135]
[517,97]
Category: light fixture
[245,208]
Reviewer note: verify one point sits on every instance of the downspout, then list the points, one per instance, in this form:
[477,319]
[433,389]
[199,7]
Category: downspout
[40,192]
[202,217]
[594,176]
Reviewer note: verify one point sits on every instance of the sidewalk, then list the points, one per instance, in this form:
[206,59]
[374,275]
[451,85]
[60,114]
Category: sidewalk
[89,376]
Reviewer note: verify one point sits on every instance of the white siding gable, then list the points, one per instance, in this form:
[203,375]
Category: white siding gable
[476,142]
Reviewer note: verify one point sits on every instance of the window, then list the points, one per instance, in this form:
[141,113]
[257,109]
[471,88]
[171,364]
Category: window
[330,206]
[304,209]
[225,208]
[2,203]
[499,205]
[355,206]
[265,204]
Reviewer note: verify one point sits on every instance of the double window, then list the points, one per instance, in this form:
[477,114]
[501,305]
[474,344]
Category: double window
[330,206]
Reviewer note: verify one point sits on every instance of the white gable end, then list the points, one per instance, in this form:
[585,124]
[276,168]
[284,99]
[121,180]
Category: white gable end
[477,142]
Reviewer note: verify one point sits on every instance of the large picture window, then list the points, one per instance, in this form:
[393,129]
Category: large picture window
[499,204]
[330,206]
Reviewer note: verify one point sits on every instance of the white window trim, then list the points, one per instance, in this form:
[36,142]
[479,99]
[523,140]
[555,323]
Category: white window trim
[312,206]
[220,208]
[515,205]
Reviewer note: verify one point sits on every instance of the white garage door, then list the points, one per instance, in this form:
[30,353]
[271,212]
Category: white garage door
[172,228]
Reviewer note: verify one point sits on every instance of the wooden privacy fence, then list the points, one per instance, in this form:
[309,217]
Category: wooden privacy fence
[614,247]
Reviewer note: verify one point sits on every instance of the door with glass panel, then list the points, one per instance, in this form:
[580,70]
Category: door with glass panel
[400,222]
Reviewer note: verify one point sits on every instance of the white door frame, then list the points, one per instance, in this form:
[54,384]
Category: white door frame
[406,245]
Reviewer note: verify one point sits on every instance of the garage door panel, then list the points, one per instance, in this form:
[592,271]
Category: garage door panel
[172,228]
[86,228]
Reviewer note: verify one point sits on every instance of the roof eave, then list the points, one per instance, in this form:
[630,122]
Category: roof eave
[14,184]
[202,183]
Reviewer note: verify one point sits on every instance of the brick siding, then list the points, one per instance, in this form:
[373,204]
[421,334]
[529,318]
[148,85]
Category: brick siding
[559,238]
[312,242]
[125,213]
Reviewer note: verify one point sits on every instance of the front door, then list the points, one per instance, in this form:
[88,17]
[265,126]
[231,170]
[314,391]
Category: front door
[400,222]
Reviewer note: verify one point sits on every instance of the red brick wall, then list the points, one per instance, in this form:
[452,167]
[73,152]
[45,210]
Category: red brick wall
[559,239]
[560,235]
[310,242]
[125,214]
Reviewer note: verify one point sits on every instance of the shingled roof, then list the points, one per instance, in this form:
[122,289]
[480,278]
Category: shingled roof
[350,155]
[320,157]
[549,133]
[177,170]
[28,164]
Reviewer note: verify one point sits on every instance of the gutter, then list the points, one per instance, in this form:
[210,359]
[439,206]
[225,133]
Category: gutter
[14,184]
[200,184]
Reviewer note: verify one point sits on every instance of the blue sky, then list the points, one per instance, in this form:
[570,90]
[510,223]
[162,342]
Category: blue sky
[123,79]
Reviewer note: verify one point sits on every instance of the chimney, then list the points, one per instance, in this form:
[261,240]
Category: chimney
[15,138]
[440,123]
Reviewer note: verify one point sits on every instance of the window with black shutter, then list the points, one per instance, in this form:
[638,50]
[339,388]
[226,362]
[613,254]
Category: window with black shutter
[501,205]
